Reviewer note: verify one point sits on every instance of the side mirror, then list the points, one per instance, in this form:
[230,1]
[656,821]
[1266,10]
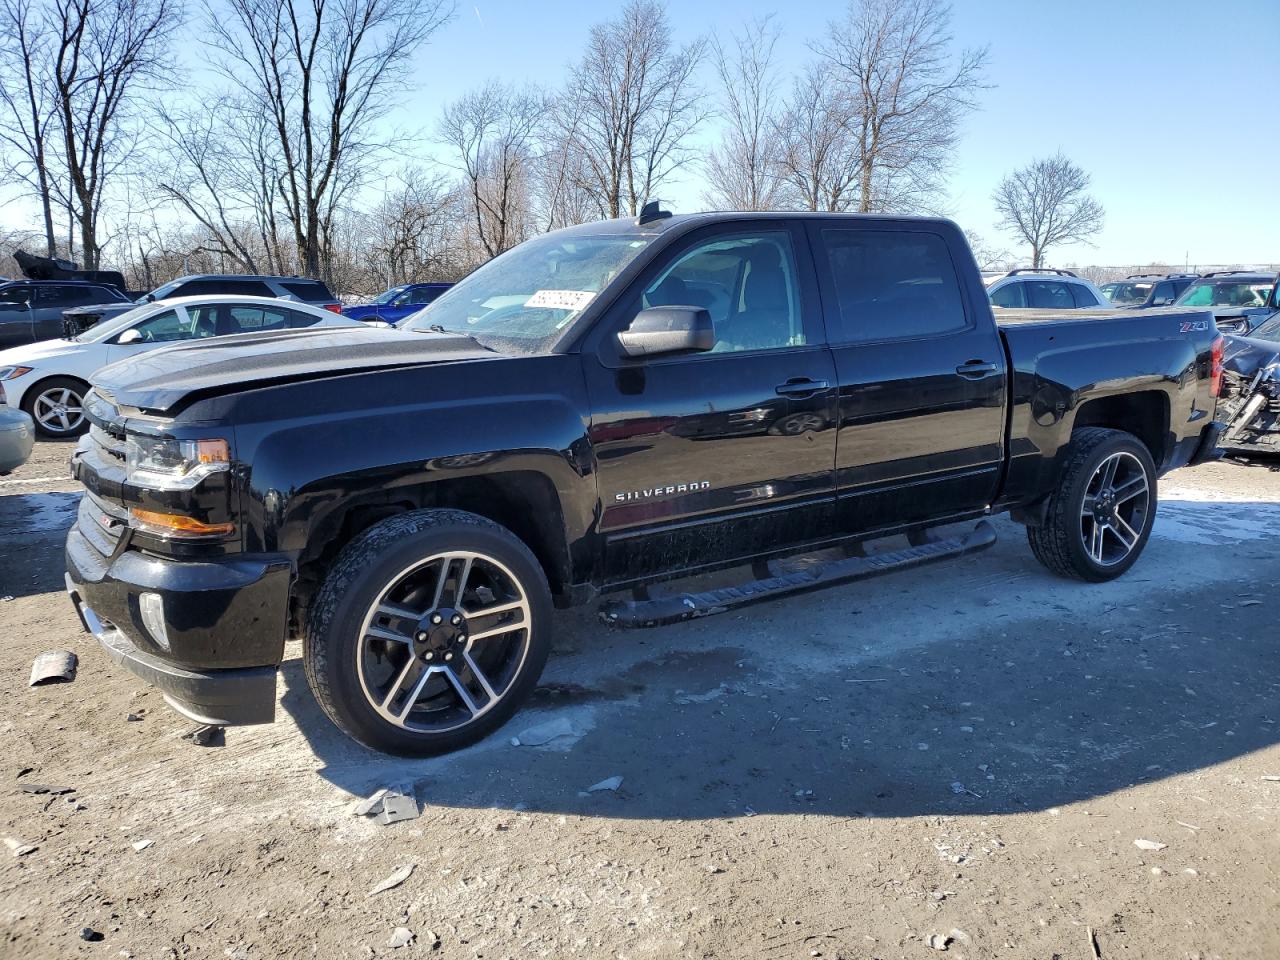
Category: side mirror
[1162,301]
[129,336]
[661,330]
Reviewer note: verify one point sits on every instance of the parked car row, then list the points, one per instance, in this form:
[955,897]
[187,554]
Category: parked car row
[1240,299]
[49,379]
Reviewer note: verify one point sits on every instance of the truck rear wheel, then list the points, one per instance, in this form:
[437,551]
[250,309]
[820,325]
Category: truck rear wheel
[1100,515]
[428,633]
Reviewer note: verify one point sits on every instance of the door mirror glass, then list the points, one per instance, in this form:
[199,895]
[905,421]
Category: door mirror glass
[664,330]
[129,336]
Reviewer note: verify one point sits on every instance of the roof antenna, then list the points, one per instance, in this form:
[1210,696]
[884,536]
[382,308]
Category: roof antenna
[651,212]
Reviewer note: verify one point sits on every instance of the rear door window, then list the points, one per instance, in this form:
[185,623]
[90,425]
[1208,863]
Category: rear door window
[1010,295]
[1049,294]
[1082,295]
[892,285]
[215,285]
[255,319]
[424,295]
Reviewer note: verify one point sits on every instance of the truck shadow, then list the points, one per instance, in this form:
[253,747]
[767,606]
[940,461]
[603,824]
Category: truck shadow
[989,701]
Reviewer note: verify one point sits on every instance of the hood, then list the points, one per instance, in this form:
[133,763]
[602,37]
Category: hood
[162,380]
[1246,355]
[114,306]
[31,354]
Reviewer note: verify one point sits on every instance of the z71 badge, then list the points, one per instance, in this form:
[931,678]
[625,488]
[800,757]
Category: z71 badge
[666,491]
[1195,326]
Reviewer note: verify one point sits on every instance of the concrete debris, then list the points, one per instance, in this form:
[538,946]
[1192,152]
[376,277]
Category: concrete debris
[90,935]
[1149,844]
[937,941]
[206,735]
[397,878]
[400,937]
[611,783]
[141,845]
[53,666]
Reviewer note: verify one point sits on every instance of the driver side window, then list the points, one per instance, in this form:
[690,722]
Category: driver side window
[166,327]
[748,285]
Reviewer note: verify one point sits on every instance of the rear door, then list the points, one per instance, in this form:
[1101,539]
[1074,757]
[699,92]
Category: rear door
[15,315]
[921,371]
[711,457]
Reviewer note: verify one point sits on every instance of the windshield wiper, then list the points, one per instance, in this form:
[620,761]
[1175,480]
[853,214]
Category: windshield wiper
[437,328]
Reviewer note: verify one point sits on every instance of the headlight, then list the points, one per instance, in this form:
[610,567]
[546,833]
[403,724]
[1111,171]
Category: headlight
[12,373]
[174,464]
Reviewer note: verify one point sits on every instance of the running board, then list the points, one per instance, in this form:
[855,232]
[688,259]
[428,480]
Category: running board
[688,606]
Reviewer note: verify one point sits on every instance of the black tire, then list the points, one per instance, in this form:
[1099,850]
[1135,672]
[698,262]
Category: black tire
[365,570]
[52,386]
[1060,544]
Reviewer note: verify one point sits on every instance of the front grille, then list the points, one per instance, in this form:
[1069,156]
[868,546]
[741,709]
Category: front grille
[108,444]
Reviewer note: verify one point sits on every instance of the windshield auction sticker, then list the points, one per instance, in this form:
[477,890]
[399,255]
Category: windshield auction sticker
[560,299]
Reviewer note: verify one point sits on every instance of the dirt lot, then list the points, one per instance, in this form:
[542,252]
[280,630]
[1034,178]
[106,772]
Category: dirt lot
[968,751]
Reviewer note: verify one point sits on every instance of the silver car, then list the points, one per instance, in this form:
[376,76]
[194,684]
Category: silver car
[1045,288]
[17,436]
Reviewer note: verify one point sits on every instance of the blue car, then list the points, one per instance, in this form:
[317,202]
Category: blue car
[397,303]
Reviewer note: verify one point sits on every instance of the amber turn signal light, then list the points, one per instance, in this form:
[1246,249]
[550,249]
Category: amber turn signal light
[175,525]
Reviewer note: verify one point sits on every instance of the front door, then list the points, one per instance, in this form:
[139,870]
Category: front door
[922,376]
[710,457]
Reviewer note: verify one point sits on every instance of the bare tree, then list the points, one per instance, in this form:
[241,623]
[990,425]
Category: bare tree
[1046,204]
[492,132]
[630,105]
[409,231]
[105,55]
[817,150]
[324,72]
[744,170]
[26,114]
[988,256]
[904,94]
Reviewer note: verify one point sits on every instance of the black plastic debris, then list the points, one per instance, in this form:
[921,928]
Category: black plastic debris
[53,666]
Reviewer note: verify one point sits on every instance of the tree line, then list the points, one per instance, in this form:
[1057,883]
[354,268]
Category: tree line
[279,154]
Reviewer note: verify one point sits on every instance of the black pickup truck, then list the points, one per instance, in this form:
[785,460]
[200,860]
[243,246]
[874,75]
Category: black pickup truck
[599,409]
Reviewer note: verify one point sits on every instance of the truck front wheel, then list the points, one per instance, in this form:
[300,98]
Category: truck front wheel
[1100,514]
[428,633]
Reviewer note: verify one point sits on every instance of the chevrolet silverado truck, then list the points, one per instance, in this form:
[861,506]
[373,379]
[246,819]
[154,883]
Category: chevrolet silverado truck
[600,409]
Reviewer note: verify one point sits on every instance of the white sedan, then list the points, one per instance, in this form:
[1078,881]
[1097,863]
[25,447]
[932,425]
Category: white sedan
[49,379]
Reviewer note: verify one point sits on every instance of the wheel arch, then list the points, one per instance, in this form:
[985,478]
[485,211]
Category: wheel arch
[1144,414]
[525,502]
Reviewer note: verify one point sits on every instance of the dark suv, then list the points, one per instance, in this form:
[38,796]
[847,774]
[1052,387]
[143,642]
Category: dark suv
[31,310]
[300,289]
[1141,290]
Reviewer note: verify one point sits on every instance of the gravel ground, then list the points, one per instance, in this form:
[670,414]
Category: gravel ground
[967,752]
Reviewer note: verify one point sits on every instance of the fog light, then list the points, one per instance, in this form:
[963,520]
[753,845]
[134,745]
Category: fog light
[152,605]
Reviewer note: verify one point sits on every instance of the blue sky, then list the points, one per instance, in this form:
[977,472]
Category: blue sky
[1171,106]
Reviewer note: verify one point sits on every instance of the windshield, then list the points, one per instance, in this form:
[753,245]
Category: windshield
[529,294]
[384,298]
[100,331]
[1123,292]
[1234,293]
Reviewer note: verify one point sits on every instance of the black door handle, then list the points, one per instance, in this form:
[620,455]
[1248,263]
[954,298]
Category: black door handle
[800,387]
[976,369]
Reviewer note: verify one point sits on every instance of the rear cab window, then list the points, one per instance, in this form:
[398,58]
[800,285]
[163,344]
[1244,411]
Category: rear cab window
[892,285]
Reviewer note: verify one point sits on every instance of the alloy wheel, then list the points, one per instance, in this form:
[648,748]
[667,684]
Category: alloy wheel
[444,642]
[59,410]
[1114,512]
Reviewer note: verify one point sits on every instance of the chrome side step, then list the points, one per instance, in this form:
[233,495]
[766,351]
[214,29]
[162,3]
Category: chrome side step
[688,606]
